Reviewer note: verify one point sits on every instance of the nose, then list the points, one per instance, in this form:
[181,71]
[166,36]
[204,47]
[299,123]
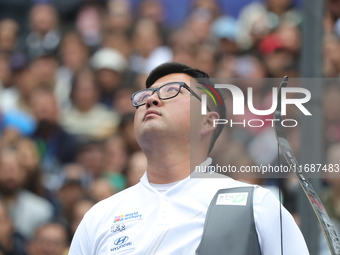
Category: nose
[153,100]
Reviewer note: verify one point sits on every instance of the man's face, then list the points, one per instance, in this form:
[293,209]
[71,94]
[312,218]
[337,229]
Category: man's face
[44,107]
[51,240]
[169,118]
[12,176]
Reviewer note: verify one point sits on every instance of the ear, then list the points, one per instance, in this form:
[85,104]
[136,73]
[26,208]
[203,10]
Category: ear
[208,122]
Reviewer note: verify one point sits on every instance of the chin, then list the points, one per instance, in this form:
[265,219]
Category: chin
[150,132]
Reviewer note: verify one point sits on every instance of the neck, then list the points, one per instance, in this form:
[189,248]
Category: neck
[167,164]
[168,171]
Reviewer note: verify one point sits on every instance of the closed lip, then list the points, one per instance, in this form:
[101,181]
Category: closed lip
[150,112]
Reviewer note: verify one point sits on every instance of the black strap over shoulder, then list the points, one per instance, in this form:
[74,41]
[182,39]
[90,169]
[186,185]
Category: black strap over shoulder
[229,226]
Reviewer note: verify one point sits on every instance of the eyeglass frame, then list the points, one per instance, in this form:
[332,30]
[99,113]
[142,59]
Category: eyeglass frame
[182,84]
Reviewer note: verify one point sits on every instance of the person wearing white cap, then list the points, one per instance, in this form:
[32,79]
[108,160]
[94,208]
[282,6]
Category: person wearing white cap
[110,66]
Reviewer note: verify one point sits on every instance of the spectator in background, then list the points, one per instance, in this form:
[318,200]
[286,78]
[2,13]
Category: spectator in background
[88,119]
[126,130]
[331,63]
[110,66]
[91,156]
[115,160]
[44,69]
[332,15]
[226,68]
[199,23]
[27,210]
[184,46]
[280,50]
[5,72]
[136,168]
[206,58]
[210,5]
[17,97]
[153,10]
[332,193]
[51,238]
[89,23]
[74,56]
[9,137]
[118,17]
[331,109]
[101,189]
[44,36]
[74,52]
[258,19]
[75,182]
[29,161]
[9,31]
[56,147]
[122,101]
[10,241]
[119,41]
[252,73]
[148,49]
[18,11]
[225,29]
[78,211]
[290,37]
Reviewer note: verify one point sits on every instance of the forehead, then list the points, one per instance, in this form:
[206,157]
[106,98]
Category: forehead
[174,77]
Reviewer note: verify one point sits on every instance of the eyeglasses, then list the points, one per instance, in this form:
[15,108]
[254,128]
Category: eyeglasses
[166,91]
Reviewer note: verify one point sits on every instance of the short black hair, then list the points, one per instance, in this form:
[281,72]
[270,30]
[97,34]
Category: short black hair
[173,67]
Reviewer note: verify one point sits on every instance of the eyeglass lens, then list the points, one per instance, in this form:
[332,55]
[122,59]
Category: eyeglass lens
[165,92]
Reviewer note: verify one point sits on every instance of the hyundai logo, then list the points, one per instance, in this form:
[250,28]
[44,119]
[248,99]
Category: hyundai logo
[121,240]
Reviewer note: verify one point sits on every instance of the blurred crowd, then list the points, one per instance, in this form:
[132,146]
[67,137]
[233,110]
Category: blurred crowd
[67,72]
